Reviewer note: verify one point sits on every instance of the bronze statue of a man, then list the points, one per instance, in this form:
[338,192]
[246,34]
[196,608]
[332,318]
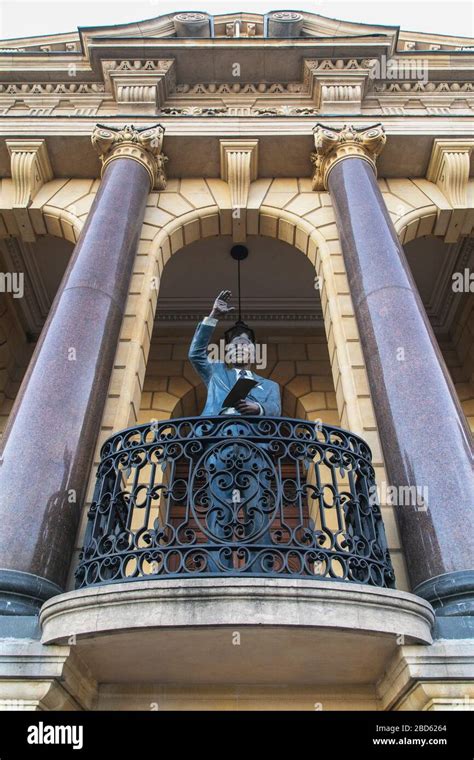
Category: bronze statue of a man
[232,508]
[221,376]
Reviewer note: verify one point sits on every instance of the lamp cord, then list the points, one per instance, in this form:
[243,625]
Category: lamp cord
[238,280]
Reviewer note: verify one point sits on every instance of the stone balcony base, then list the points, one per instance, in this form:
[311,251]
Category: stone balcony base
[235,630]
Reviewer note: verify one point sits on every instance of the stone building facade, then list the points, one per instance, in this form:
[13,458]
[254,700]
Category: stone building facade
[133,158]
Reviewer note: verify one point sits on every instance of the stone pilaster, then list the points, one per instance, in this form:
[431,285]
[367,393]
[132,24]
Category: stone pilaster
[424,435]
[50,438]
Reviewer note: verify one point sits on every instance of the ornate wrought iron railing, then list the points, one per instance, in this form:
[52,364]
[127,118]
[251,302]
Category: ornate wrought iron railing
[240,496]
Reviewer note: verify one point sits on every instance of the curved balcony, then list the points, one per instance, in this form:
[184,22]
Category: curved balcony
[235,496]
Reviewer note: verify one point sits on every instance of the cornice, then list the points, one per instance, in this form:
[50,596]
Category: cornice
[408,127]
[223,26]
[452,124]
[194,316]
[254,316]
[422,87]
[149,86]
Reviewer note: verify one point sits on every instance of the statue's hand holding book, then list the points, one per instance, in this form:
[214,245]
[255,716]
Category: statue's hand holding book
[239,391]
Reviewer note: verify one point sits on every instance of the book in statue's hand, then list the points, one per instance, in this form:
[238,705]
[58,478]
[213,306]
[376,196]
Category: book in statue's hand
[239,391]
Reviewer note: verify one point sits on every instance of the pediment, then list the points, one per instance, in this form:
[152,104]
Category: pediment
[232,25]
[314,25]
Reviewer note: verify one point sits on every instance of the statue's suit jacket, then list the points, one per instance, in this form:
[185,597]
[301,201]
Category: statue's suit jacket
[219,378]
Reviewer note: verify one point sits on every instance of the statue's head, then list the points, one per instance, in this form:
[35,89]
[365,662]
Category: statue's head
[240,344]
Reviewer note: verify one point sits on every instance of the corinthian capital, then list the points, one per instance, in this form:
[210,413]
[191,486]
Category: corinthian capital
[142,145]
[333,145]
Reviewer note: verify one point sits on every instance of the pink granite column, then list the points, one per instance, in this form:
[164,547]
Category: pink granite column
[52,432]
[424,435]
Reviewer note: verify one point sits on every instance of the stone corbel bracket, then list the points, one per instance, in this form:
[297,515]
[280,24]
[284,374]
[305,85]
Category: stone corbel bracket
[342,94]
[449,169]
[239,167]
[334,145]
[142,145]
[30,169]
[145,84]
[334,89]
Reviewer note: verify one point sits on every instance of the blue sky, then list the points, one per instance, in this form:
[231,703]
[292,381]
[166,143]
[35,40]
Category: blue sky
[19,18]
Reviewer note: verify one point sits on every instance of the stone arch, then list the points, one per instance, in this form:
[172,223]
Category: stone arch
[418,207]
[170,224]
[457,345]
[449,225]
[16,346]
[60,209]
[446,223]
[60,222]
[290,228]
[416,223]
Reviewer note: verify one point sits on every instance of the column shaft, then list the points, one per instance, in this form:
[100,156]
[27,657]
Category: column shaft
[424,435]
[51,436]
